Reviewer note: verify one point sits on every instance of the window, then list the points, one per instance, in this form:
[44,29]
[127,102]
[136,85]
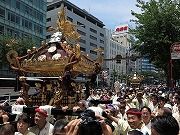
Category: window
[102,35]
[82,49]
[17,19]
[69,8]
[2,13]
[30,25]
[102,41]
[82,41]
[92,37]
[92,44]
[9,16]
[81,24]
[41,17]
[93,52]
[13,18]
[58,5]
[1,29]
[40,30]
[81,32]
[50,8]
[26,9]
[48,19]
[93,30]
[70,19]
[26,24]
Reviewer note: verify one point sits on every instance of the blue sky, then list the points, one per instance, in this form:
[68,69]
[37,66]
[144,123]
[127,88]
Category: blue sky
[110,12]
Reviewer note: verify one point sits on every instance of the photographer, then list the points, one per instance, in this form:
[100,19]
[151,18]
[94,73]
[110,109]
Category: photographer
[88,124]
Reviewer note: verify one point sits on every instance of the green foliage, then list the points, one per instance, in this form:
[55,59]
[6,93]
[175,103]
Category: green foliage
[8,43]
[157,28]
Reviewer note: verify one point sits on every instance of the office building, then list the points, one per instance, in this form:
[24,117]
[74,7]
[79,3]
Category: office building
[114,48]
[23,19]
[90,28]
[122,36]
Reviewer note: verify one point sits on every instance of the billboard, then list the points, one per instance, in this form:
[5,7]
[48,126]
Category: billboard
[121,28]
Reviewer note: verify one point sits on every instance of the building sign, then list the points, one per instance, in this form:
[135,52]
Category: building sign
[121,29]
[175,52]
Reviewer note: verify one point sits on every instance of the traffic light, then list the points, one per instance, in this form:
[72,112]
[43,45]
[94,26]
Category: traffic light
[118,59]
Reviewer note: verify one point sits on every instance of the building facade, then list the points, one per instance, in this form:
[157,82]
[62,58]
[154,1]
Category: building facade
[114,48]
[122,36]
[22,19]
[89,27]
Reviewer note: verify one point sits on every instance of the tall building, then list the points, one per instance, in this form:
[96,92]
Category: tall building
[23,18]
[114,48]
[122,36]
[88,26]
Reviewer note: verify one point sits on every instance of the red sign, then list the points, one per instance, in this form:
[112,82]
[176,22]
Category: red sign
[121,29]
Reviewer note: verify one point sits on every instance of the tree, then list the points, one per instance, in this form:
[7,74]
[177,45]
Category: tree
[157,28]
[151,77]
[18,44]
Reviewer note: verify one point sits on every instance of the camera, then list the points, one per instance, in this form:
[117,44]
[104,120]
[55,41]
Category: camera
[89,124]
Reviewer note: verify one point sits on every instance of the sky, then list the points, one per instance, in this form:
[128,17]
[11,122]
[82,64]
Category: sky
[111,12]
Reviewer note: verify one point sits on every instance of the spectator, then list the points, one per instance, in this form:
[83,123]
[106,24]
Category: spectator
[177,115]
[7,129]
[122,112]
[146,116]
[134,122]
[164,125]
[153,103]
[59,127]
[81,105]
[4,115]
[23,124]
[42,127]
[139,102]
[176,101]
[20,101]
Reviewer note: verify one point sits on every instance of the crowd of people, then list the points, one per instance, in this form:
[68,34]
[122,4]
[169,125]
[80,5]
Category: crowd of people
[145,111]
